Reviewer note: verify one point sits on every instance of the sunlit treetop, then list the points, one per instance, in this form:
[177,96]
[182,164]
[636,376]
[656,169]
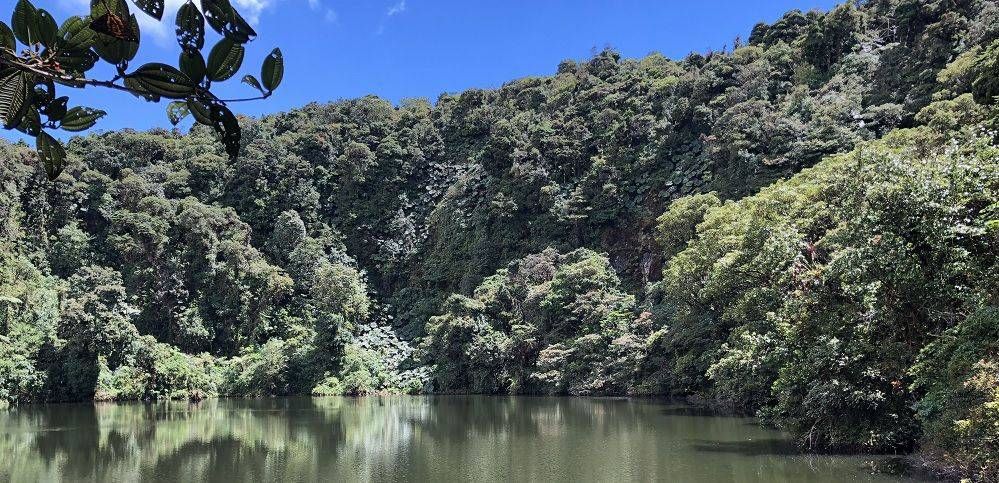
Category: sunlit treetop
[39,56]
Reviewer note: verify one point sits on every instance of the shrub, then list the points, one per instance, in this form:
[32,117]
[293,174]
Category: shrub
[958,375]
[157,372]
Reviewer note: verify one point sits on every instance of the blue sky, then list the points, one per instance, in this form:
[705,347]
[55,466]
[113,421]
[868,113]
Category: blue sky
[399,49]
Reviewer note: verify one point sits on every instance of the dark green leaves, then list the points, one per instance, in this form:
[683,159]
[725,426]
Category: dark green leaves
[227,127]
[152,7]
[51,153]
[16,88]
[7,37]
[114,50]
[226,20]
[76,34]
[272,71]
[190,27]
[23,21]
[33,26]
[31,122]
[985,75]
[139,91]
[81,118]
[192,64]
[46,28]
[224,60]
[114,26]
[163,80]
[241,30]
[221,119]
[253,82]
[201,111]
[44,92]
[217,12]
[62,55]
[177,111]
[77,61]
[55,109]
[75,38]
[117,31]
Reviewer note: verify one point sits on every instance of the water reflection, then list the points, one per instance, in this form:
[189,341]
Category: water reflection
[449,438]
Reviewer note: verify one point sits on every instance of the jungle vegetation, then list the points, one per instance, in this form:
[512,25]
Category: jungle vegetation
[803,227]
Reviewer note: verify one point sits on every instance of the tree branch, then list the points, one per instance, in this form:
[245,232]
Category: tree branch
[245,99]
[81,82]
[66,78]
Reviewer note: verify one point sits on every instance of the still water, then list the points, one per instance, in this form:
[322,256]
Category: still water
[439,439]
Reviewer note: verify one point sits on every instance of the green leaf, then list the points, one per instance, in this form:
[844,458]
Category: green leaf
[46,28]
[100,7]
[226,21]
[76,34]
[7,37]
[31,123]
[81,118]
[154,8]
[23,21]
[33,26]
[44,92]
[190,27]
[51,153]
[227,127]
[114,50]
[192,64]
[225,59]
[219,118]
[163,80]
[177,111]
[76,61]
[110,48]
[55,110]
[201,111]
[131,48]
[272,71]
[218,13]
[139,91]
[253,82]
[41,97]
[241,32]
[16,89]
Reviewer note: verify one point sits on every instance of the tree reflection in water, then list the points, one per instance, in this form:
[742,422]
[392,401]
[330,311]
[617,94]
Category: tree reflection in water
[400,438]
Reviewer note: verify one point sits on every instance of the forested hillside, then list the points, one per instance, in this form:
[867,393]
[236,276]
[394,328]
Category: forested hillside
[804,226]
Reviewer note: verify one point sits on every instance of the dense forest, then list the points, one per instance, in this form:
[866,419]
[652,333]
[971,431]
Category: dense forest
[803,226]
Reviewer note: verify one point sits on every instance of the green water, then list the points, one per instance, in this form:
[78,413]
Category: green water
[446,438]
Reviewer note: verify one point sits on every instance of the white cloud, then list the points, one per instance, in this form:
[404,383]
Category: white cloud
[394,10]
[251,9]
[397,8]
[162,31]
[329,15]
